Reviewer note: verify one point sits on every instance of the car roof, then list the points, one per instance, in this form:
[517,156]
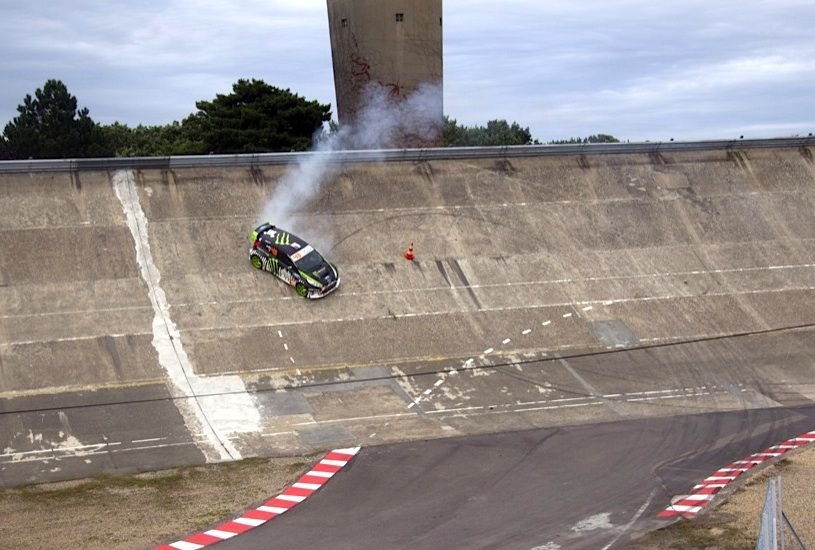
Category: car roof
[287,242]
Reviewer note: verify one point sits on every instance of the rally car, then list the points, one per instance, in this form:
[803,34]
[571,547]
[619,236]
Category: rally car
[293,260]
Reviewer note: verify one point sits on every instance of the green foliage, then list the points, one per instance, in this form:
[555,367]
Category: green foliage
[598,138]
[496,132]
[51,126]
[152,141]
[257,117]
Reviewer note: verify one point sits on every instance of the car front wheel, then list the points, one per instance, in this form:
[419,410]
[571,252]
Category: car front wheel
[257,263]
[301,290]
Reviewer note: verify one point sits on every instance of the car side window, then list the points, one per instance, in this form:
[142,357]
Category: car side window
[284,259]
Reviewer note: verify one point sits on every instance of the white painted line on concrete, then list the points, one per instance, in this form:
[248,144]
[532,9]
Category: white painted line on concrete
[280,333]
[150,440]
[506,341]
[291,359]
[567,315]
[488,350]
[427,391]
[527,331]
[215,421]
[237,327]
[285,346]
[438,383]
[488,285]
[588,308]
[546,323]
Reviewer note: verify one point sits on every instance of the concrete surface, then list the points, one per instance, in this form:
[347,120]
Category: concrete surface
[135,335]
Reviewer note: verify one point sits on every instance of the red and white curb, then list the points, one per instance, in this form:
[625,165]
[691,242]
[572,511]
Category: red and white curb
[703,493]
[299,491]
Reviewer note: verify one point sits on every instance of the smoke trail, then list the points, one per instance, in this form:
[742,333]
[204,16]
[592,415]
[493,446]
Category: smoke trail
[382,123]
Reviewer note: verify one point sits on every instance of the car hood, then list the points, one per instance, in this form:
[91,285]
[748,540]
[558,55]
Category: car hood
[324,273]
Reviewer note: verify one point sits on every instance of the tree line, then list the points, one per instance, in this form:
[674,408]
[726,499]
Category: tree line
[254,118]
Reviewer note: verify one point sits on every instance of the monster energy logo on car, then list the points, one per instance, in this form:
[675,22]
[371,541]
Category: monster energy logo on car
[272,265]
[282,238]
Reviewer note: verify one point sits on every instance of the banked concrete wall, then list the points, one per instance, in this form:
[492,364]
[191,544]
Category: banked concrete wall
[74,307]
[126,277]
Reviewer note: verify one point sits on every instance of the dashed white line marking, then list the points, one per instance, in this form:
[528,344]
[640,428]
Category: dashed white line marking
[489,350]
[291,359]
[427,391]
[506,341]
[546,323]
[567,315]
[280,333]
[438,383]
[588,308]
[527,331]
[285,346]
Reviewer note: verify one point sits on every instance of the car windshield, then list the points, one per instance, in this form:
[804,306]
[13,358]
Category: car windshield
[309,262]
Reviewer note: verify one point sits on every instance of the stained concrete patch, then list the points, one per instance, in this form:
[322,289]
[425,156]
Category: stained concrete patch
[614,333]
[321,436]
[282,403]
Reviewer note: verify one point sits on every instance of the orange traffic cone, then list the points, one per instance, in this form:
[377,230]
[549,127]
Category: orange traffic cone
[409,253]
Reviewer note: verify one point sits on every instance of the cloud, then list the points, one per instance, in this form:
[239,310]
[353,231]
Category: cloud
[640,69]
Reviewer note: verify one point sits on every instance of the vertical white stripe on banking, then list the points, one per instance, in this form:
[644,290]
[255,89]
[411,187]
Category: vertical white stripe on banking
[213,416]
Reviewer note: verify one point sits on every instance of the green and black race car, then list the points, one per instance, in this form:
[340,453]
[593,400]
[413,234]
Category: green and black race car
[293,260]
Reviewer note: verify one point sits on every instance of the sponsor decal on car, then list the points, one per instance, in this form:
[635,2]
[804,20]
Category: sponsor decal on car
[301,253]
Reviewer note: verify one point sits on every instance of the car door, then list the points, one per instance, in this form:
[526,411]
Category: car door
[285,268]
[268,252]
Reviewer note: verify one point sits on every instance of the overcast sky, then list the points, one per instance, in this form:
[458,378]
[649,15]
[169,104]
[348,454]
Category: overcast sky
[638,69]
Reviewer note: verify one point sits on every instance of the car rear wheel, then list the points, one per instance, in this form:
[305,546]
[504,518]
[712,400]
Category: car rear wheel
[301,290]
[257,263]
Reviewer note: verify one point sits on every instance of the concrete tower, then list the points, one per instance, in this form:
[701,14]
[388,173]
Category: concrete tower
[394,46]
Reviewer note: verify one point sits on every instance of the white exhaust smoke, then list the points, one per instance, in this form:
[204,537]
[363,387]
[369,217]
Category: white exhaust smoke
[382,123]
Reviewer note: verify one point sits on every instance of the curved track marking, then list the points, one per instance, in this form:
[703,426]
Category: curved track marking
[307,485]
[704,492]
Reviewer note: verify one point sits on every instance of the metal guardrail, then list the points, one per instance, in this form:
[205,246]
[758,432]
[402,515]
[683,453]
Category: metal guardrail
[773,522]
[395,155]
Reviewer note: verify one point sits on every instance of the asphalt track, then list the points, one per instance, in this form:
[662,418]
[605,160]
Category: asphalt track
[546,292]
[594,486]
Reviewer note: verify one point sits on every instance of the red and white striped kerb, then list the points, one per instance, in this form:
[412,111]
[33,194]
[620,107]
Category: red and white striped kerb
[704,492]
[299,491]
